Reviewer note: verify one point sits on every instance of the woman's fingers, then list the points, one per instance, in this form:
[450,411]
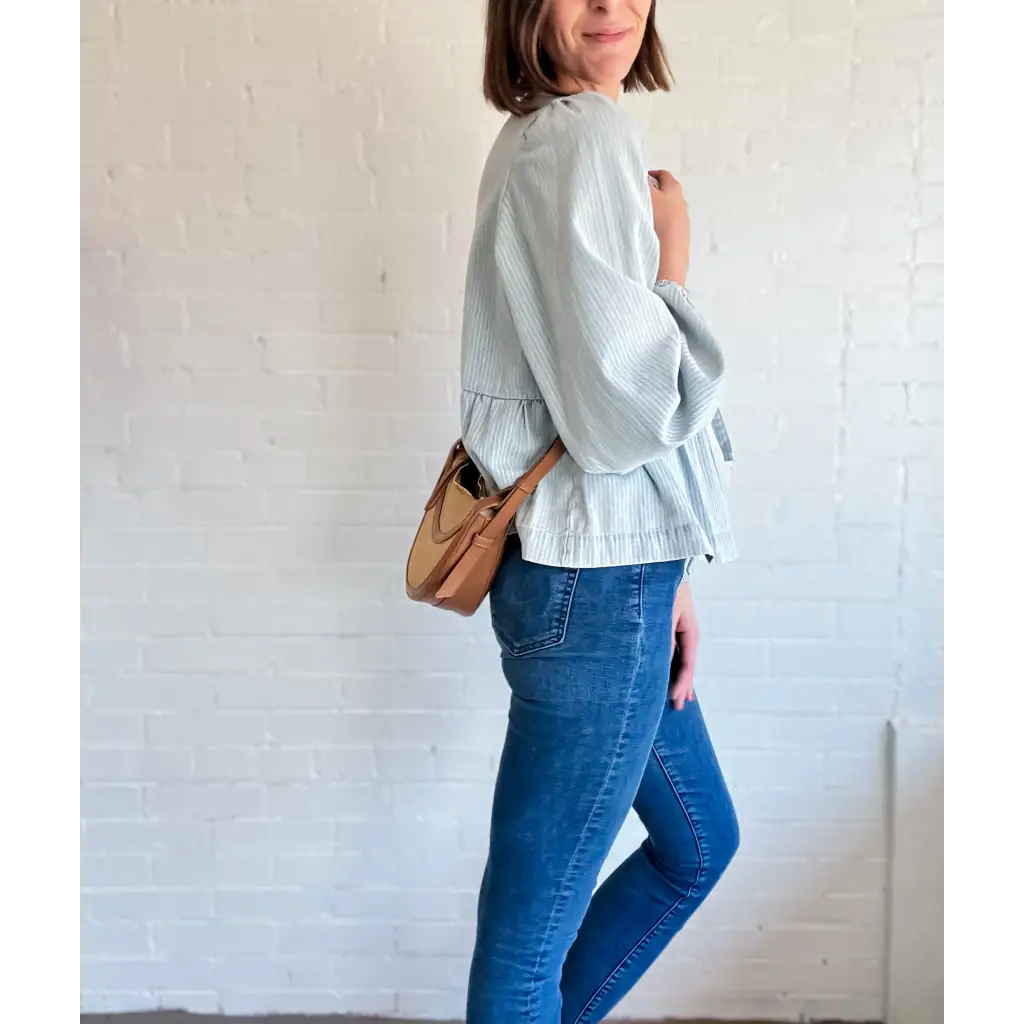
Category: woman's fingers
[682,685]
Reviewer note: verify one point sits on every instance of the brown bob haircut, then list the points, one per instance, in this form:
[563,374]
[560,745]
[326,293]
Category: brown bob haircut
[517,68]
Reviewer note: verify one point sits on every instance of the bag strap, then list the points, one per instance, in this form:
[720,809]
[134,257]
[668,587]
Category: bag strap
[522,489]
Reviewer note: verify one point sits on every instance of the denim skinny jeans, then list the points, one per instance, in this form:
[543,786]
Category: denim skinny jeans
[587,654]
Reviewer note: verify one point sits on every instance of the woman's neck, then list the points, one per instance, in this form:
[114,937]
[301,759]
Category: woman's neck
[569,84]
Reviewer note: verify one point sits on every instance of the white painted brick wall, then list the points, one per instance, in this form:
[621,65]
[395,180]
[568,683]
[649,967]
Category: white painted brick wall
[286,766]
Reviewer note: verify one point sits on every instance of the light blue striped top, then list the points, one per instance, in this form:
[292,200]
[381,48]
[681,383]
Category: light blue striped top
[567,331]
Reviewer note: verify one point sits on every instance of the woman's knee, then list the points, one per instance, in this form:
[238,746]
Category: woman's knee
[699,854]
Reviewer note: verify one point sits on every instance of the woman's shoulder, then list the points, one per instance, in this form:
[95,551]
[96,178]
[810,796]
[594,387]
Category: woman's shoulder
[587,124]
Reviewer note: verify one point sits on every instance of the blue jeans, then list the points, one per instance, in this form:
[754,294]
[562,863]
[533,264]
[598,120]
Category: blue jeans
[587,654]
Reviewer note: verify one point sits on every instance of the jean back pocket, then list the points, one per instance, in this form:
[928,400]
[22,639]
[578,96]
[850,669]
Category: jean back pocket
[530,604]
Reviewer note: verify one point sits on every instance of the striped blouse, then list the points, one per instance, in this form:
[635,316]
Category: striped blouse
[567,331]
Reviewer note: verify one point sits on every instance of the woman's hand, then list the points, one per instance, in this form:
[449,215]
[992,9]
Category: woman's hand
[684,637]
[672,226]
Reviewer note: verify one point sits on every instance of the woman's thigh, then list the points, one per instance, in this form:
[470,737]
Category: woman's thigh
[684,803]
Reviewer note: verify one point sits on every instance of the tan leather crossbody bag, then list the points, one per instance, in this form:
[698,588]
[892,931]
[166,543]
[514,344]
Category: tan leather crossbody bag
[458,546]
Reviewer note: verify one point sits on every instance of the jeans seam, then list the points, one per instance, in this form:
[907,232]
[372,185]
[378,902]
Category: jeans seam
[689,820]
[584,834]
[640,943]
[624,962]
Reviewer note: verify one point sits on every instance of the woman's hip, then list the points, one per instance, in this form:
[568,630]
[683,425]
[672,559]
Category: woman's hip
[546,612]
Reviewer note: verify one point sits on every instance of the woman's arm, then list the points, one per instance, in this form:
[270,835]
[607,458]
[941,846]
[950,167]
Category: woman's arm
[624,375]
[672,226]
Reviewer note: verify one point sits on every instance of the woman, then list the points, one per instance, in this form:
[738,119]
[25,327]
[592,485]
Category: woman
[577,324]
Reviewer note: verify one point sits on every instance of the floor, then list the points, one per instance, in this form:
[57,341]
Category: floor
[179,1017]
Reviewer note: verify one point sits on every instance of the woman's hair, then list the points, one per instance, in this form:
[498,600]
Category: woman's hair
[517,68]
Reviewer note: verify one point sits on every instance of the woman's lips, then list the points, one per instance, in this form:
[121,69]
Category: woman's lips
[607,37]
